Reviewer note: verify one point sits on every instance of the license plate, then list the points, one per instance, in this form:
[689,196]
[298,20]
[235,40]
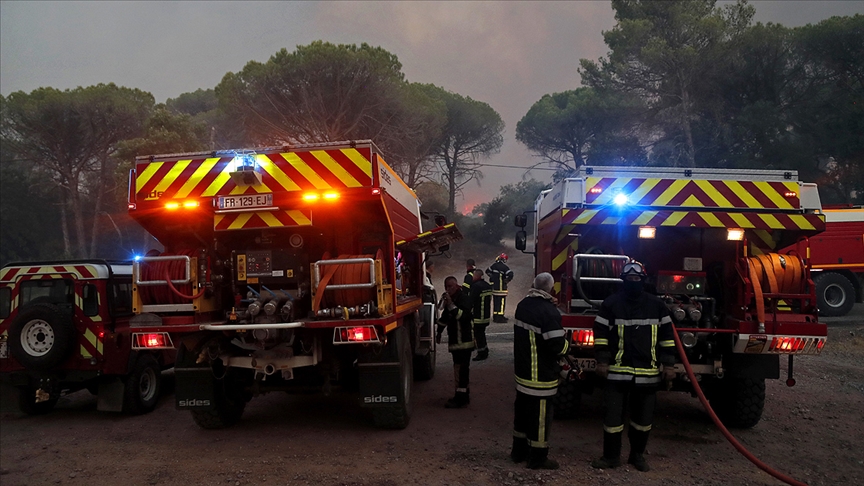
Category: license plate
[4,353]
[243,202]
[587,364]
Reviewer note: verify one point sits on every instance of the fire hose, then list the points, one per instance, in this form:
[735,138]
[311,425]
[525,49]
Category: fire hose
[737,445]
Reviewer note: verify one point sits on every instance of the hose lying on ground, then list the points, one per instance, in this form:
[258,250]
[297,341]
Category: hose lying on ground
[761,465]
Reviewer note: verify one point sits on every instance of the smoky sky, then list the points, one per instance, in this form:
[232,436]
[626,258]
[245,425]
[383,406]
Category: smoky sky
[507,54]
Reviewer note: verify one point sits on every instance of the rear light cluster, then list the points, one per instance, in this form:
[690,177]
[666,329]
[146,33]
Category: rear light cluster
[357,334]
[583,337]
[152,340]
[796,345]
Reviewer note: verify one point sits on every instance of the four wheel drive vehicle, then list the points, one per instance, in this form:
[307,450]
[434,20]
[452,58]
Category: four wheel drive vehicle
[65,326]
[293,269]
[709,241]
[837,259]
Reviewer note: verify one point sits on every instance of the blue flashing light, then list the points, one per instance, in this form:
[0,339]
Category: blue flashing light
[137,258]
[620,199]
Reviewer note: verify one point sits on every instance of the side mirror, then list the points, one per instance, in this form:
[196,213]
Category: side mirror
[440,220]
[521,220]
[521,238]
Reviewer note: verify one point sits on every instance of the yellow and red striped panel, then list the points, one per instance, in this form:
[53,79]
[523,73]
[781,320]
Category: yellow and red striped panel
[694,193]
[262,219]
[281,171]
[10,274]
[699,219]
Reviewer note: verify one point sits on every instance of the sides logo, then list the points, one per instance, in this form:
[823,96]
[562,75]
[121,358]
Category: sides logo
[385,176]
[193,402]
[153,195]
[380,399]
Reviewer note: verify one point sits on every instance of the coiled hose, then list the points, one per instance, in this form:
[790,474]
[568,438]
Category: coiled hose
[732,440]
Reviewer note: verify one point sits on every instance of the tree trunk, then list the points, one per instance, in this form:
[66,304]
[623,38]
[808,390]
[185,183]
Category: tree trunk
[451,186]
[685,125]
[64,226]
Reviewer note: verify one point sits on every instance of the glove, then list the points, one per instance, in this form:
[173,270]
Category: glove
[602,370]
[669,373]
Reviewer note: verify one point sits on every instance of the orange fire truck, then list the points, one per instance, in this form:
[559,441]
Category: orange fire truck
[66,326]
[290,268]
[705,237]
[837,260]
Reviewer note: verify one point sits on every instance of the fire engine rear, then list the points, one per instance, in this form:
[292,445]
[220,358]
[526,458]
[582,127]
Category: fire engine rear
[706,238]
[290,268]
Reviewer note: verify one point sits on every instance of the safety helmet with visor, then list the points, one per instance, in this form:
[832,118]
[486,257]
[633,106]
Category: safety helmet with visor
[633,270]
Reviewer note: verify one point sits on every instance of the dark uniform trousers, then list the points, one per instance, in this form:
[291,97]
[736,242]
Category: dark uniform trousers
[642,400]
[532,420]
[461,368]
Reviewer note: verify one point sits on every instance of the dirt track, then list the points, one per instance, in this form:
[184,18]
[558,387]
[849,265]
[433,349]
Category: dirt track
[814,432]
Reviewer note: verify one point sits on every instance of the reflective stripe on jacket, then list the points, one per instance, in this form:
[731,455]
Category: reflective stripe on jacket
[633,336]
[460,330]
[499,274]
[481,298]
[538,342]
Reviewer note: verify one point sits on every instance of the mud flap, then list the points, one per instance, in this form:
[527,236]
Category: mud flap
[380,384]
[195,389]
[109,397]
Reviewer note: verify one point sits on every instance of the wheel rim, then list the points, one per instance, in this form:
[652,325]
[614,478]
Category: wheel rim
[37,337]
[147,384]
[834,295]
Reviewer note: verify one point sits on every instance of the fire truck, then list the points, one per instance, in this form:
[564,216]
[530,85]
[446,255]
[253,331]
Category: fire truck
[705,237]
[66,326]
[837,260]
[295,268]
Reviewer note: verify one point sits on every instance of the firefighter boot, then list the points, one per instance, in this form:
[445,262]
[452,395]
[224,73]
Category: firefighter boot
[519,452]
[460,400]
[638,442]
[481,354]
[538,458]
[611,452]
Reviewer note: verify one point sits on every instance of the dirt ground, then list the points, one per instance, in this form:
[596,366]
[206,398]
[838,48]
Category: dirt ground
[813,432]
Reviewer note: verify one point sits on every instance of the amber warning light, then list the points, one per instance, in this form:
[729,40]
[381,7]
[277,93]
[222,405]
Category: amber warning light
[356,334]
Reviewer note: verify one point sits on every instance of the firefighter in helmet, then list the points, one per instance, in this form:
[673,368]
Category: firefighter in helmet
[538,344]
[632,337]
[500,275]
[455,307]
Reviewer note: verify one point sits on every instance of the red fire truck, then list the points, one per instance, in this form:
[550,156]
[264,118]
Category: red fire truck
[66,326]
[290,268]
[704,236]
[837,260]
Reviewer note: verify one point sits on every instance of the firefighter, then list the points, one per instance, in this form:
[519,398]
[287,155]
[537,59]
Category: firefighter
[538,344]
[456,317]
[481,298]
[632,337]
[500,275]
[469,274]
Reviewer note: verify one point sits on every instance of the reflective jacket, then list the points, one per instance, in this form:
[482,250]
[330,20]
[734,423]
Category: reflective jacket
[460,330]
[634,335]
[538,342]
[469,279]
[499,274]
[481,298]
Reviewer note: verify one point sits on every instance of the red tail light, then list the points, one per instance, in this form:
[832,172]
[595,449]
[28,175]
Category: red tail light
[356,334]
[583,337]
[152,340]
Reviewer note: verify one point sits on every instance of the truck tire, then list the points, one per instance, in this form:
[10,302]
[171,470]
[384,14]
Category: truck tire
[41,337]
[228,409]
[398,417]
[27,402]
[142,387]
[739,402]
[565,403]
[835,294]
